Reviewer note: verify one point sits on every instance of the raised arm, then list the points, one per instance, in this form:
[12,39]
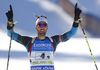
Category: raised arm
[67,35]
[15,36]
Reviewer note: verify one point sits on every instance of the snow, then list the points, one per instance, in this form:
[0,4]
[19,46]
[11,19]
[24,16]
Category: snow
[71,55]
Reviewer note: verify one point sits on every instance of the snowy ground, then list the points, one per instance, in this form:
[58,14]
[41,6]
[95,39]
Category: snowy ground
[71,55]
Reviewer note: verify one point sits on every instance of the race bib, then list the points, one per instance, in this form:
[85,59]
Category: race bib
[42,60]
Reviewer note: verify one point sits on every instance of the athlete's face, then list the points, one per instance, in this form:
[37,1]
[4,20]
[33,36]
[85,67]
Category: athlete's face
[42,28]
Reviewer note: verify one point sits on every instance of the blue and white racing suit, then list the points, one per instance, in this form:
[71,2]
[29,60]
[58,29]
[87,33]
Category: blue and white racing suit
[41,52]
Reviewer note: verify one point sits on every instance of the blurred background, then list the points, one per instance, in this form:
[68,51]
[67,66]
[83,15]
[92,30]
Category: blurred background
[73,54]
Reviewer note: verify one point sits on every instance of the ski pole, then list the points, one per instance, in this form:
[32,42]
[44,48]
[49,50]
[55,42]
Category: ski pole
[88,45]
[10,45]
[9,51]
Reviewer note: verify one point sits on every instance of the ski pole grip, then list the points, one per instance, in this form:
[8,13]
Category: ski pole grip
[81,25]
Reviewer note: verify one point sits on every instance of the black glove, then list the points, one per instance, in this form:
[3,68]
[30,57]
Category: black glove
[77,12]
[9,14]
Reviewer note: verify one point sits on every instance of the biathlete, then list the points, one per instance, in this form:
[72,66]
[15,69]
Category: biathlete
[41,48]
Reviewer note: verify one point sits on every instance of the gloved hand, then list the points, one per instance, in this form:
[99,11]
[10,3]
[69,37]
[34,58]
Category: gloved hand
[77,12]
[9,14]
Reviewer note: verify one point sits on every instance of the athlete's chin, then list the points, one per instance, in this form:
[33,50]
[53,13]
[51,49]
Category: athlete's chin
[42,34]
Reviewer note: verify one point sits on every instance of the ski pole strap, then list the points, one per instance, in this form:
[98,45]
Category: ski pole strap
[15,22]
[80,19]
[12,24]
